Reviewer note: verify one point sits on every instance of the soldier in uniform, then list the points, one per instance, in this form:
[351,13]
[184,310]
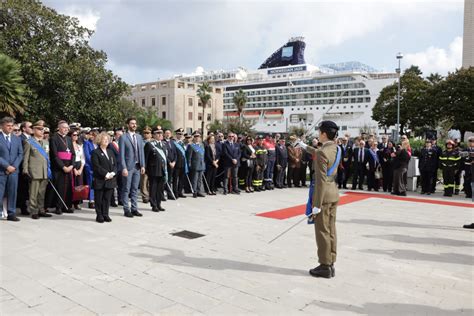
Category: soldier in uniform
[325,198]
[195,158]
[450,162]
[180,169]
[144,184]
[428,164]
[37,168]
[260,164]
[156,168]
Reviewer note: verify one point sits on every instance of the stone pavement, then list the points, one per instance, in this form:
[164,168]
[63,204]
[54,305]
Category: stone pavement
[394,258]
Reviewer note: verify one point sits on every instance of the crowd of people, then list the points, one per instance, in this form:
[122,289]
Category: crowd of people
[114,168]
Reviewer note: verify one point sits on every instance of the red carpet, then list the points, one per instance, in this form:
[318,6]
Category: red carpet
[352,197]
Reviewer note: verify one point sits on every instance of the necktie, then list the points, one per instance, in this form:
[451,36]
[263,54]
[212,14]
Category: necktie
[361,154]
[8,142]
[135,147]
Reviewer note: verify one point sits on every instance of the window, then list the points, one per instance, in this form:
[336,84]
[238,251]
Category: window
[190,86]
[199,116]
[153,101]
[163,100]
[190,116]
[180,85]
[164,84]
[190,101]
[218,90]
[209,117]
[143,102]
[163,115]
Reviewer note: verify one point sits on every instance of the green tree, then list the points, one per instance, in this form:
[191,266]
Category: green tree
[240,99]
[216,126]
[12,88]
[150,118]
[416,112]
[455,98]
[65,77]
[204,95]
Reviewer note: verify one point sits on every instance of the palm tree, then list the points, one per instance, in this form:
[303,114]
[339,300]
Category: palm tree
[240,99]
[204,96]
[12,88]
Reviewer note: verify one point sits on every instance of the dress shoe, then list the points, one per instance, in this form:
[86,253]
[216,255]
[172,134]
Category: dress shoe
[333,271]
[58,211]
[171,197]
[182,196]
[201,195]
[13,218]
[137,213]
[25,212]
[128,214]
[99,219]
[107,218]
[402,194]
[91,205]
[113,204]
[161,209]
[225,192]
[469,226]
[35,216]
[155,209]
[236,192]
[43,214]
[69,210]
[145,201]
[77,207]
[195,195]
[321,271]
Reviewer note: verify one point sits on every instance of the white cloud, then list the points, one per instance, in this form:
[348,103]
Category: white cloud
[88,18]
[435,59]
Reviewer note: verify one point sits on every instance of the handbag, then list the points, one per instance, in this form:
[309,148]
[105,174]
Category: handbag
[378,173]
[80,192]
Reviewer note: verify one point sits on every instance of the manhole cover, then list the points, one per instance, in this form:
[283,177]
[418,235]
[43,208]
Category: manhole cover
[187,234]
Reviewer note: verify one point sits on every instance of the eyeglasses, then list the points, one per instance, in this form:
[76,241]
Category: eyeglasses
[74,135]
[16,130]
[40,128]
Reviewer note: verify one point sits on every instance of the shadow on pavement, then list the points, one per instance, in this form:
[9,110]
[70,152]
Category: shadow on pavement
[178,257]
[424,240]
[413,255]
[391,309]
[374,222]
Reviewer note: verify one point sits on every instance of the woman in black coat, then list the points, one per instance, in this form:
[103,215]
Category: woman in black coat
[400,168]
[104,166]
[247,164]
[211,159]
[387,166]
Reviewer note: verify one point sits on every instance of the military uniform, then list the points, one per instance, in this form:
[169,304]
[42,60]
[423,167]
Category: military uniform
[325,199]
[36,167]
[450,162]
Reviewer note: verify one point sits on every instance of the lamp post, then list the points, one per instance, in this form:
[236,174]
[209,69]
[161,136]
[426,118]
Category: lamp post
[399,57]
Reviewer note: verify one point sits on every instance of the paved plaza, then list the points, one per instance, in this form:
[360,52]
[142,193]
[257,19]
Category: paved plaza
[395,257]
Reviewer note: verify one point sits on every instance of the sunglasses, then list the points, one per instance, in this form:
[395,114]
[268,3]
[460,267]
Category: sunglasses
[74,135]
[16,130]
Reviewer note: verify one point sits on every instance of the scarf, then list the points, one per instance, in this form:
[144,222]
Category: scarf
[183,153]
[163,155]
[43,153]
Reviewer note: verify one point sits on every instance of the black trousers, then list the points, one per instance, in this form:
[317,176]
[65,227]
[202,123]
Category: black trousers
[293,176]
[63,184]
[23,192]
[449,179]
[170,181]
[302,174]
[102,201]
[467,183]
[372,183]
[211,172]
[426,181]
[179,178]
[358,177]
[347,173]
[280,177]
[387,180]
[157,185]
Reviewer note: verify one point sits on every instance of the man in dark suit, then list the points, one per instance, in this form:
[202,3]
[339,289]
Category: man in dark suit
[114,146]
[230,158]
[346,162]
[132,164]
[156,168]
[384,144]
[23,180]
[11,155]
[360,157]
[281,162]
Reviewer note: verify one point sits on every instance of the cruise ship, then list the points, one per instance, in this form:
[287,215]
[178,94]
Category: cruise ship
[285,92]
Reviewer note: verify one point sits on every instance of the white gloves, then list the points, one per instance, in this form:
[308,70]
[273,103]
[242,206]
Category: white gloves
[109,175]
[301,144]
[316,210]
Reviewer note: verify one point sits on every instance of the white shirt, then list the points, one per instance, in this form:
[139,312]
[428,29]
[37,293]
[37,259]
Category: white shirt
[5,135]
[105,153]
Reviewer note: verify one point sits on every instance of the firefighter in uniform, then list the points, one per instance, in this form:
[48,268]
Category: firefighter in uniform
[260,164]
[450,162]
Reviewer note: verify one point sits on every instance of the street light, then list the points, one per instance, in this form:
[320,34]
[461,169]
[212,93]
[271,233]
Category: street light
[398,70]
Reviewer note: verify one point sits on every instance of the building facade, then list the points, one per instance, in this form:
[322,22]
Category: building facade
[177,101]
[468,36]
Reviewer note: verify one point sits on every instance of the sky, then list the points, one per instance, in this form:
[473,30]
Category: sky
[146,40]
